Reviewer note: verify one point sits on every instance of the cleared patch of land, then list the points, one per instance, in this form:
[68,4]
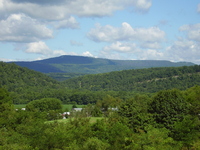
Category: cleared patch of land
[64,106]
[92,120]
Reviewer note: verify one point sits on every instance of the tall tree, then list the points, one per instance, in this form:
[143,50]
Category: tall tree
[168,106]
[135,111]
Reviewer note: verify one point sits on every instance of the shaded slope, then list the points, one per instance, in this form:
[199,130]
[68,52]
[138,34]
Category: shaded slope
[24,83]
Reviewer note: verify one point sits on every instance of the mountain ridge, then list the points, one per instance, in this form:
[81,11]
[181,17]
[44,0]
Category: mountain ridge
[91,65]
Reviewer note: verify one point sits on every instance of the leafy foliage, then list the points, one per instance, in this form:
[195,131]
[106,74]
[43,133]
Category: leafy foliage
[29,129]
[45,104]
[167,107]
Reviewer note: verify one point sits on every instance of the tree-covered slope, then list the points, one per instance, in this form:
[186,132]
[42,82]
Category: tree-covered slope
[23,82]
[90,65]
[140,80]
[26,85]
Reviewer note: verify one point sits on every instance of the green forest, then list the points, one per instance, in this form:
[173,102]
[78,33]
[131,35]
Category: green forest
[26,85]
[142,109]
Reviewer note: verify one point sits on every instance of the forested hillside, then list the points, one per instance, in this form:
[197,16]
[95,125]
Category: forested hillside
[140,80]
[26,85]
[23,83]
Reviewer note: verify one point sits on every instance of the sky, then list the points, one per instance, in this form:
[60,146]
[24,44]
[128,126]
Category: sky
[113,29]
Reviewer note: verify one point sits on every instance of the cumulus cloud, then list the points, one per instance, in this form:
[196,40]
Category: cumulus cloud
[151,54]
[49,2]
[184,50]
[141,6]
[193,31]
[38,48]
[67,23]
[87,53]
[130,50]
[21,28]
[151,45]
[55,10]
[121,47]
[148,37]
[41,48]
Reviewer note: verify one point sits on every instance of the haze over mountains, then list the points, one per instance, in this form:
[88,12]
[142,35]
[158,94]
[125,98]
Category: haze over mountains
[90,65]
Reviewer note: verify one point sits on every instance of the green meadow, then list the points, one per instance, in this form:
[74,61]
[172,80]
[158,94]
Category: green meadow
[92,120]
[64,106]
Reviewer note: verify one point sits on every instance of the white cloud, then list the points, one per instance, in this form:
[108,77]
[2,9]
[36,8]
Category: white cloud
[21,28]
[61,9]
[41,48]
[38,48]
[193,31]
[151,54]
[126,33]
[121,47]
[142,47]
[87,53]
[141,5]
[41,2]
[187,48]
[58,53]
[67,23]
[151,45]
[111,55]
[130,51]
[184,50]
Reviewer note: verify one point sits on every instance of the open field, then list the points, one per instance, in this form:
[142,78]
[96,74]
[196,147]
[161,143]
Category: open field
[64,106]
[92,120]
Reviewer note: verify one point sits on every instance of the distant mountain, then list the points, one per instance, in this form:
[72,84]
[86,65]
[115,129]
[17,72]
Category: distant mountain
[89,65]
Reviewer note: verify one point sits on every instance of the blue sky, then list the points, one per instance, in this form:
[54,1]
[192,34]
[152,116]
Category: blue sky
[113,29]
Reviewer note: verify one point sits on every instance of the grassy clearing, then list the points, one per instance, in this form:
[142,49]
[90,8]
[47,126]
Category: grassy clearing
[69,107]
[19,106]
[64,106]
[92,120]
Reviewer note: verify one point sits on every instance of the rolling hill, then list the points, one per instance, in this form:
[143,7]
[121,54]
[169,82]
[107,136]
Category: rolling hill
[26,85]
[139,80]
[66,64]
